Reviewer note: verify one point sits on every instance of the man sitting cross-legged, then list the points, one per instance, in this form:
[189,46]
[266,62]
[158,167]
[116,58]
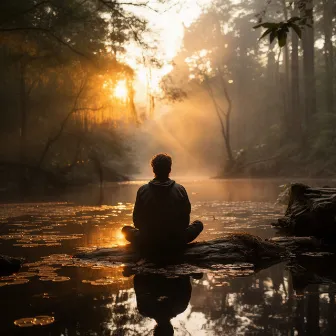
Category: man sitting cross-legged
[161,213]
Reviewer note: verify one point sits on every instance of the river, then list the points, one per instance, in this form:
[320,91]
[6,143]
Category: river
[96,300]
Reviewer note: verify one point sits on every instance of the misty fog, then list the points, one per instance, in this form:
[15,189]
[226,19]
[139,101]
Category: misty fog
[241,94]
[224,104]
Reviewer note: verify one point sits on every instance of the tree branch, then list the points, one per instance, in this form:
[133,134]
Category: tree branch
[46,31]
[74,109]
[39,4]
[112,3]
[217,108]
[260,161]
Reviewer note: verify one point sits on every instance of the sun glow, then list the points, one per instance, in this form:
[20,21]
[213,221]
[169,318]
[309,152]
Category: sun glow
[121,241]
[120,90]
[168,39]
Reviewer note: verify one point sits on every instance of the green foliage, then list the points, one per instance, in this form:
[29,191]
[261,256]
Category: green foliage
[280,30]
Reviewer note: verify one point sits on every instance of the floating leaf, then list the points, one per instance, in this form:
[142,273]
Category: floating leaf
[25,322]
[61,279]
[18,282]
[46,278]
[26,275]
[43,320]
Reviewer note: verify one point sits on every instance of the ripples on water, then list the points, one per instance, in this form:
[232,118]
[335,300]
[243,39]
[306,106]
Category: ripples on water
[54,294]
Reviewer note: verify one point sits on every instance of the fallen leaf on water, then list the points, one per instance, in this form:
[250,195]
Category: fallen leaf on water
[46,278]
[60,279]
[25,274]
[25,322]
[18,281]
[41,320]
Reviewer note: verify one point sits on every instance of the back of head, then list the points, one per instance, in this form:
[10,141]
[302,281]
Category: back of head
[164,328]
[161,164]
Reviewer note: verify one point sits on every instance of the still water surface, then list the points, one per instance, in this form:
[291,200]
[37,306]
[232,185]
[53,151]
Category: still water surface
[80,299]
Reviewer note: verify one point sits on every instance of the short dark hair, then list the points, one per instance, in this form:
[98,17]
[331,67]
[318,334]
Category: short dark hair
[161,164]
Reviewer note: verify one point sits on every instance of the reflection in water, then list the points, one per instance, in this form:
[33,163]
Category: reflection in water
[162,298]
[97,300]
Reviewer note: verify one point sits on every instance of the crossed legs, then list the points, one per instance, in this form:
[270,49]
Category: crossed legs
[191,233]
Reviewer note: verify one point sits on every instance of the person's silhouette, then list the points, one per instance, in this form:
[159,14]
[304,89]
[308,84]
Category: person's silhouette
[162,298]
[161,214]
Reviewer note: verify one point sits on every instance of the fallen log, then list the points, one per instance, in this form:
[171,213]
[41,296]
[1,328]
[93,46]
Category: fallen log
[245,251]
[9,265]
[298,245]
[231,248]
[310,212]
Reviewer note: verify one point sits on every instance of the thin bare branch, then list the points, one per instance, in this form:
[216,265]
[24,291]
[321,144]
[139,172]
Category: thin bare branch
[111,5]
[52,140]
[260,161]
[212,96]
[227,116]
[143,4]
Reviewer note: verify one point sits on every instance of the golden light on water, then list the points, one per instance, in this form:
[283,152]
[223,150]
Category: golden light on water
[121,241]
[120,91]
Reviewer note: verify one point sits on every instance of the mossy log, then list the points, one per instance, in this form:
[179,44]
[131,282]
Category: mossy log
[299,245]
[9,265]
[241,249]
[310,212]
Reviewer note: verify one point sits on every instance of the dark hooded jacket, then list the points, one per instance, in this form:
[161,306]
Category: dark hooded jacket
[162,209]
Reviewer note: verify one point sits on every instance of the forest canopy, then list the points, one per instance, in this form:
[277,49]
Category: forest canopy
[63,84]
[68,90]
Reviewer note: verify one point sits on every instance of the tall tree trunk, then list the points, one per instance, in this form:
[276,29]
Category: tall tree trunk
[328,53]
[131,104]
[23,111]
[241,114]
[295,84]
[151,99]
[271,80]
[227,115]
[288,116]
[224,118]
[308,63]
